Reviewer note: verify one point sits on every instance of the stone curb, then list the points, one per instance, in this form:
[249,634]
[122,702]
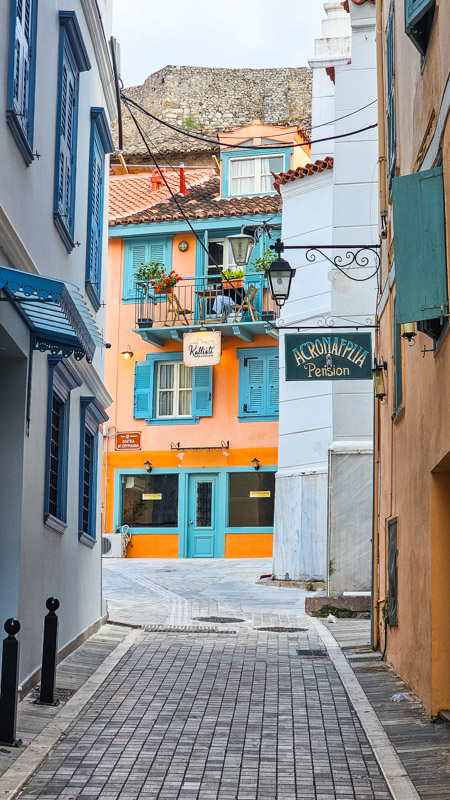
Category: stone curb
[399,783]
[25,766]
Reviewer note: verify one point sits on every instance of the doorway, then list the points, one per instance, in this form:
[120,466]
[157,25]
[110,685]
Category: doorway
[203,534]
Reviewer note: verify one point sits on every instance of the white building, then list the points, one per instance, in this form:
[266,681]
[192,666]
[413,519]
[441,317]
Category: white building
[56,104]
[324,482]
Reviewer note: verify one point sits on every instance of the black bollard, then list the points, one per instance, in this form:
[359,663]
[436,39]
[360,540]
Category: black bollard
[9,685]
[48,671]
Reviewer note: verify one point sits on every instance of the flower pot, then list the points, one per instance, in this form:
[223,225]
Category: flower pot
[232,283]
[164,290]
[145,322]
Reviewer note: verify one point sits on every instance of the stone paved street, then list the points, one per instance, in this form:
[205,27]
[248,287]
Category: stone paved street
[226,713]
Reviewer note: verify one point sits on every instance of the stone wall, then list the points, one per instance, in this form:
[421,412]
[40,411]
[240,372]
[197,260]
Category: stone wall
[205,100]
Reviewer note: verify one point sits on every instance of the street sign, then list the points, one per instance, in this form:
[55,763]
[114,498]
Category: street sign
[202,349]
[337,357]
[128,441]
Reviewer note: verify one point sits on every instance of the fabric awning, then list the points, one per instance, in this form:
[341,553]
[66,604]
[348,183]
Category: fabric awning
[55,311]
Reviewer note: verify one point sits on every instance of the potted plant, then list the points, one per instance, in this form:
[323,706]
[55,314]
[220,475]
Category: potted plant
[233,279]
[165,282]
[143,276]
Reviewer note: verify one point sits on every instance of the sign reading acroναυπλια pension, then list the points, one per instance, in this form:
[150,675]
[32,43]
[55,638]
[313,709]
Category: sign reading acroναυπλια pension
[322,357]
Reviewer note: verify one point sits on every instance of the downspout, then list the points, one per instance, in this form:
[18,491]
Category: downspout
[376,422]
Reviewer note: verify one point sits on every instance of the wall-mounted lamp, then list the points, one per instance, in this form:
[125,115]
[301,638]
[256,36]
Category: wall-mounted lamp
[378,379]
[409,331]
[242,245]
[256,464]
[148,466]
[183,246]
[279,275]
[128,353]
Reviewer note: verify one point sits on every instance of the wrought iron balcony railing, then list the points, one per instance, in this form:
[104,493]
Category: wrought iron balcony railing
[203,301]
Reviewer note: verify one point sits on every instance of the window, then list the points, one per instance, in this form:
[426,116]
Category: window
[166,391]
[258,383]
[101,143]
[419,17]
[174,391]
[21,75]
[73,60]
[91,416]
[390,95]
[62,379]
[220,252]
[158,248]
[420,250]
[150,501]
[398,366]
[392,615]
[251,499]
[253,175]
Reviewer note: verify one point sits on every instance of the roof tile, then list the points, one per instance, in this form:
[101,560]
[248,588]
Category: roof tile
[130,194]
[320,165]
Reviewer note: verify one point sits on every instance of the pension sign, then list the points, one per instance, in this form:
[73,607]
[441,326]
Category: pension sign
[339,357]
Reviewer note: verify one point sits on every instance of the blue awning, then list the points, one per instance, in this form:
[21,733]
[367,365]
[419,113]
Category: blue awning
[55,311]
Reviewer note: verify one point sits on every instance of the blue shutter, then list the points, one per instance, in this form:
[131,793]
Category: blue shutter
[273,383]
[254,396]
[143,390]
[136,254]
[202,392]
[390,95]
[95,212]
[22,63]
[67,135]
[414,11]
[419,246]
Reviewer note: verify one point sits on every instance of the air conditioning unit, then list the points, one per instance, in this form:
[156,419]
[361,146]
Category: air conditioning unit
[114,545]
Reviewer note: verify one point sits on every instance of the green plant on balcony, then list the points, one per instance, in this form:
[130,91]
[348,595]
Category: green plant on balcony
[233,279]
[263,262]
[165,282]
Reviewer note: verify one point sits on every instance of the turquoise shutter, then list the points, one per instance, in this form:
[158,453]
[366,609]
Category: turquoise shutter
[254,399]
[68,100]
[419,246]
[22,63]
[143,390]
[136,254]
[414,11]
[390,94]
[96,212]
[273,383]
[202,392]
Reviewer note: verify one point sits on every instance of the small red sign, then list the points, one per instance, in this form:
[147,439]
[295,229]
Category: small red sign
[128,441]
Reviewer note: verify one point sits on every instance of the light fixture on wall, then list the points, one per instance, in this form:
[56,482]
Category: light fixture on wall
[242,245]
[256,464]
[280,274]
[183,246]
[128,353]
[409,331]
[148,466]
[378,379]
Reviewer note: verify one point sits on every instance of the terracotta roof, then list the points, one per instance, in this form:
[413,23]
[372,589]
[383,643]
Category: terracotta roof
[129,194]
[302,172]
[356,2]
[202,202]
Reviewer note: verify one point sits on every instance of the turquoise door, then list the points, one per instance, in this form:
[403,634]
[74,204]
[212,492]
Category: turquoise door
[202,537]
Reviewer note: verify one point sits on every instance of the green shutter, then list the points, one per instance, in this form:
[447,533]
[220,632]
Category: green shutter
[390,94]
[414,11]
[202,392]
[143,390]
[419,242]
[418,22]
[398,366]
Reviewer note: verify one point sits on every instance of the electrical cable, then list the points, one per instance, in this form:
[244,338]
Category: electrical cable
[128,100]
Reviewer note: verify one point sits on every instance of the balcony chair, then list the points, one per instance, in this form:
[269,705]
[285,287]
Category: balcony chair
[174,308]
[247,305]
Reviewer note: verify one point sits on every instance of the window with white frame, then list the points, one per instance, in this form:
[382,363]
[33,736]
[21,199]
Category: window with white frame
[174,389]
[220,254]
[253,175]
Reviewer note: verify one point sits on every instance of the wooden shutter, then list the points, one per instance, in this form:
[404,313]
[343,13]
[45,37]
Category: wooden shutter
[392,616]
[68,101]
[273,383]
[202,392]
[254,397]
[22,62]
[136,254]
[419,244]
[391,125]
[143,390]
[96,212]
[414,11]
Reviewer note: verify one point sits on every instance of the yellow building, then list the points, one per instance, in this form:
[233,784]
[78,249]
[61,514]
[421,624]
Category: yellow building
[412,502]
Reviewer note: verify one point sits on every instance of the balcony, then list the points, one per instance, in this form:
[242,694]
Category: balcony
[200,303]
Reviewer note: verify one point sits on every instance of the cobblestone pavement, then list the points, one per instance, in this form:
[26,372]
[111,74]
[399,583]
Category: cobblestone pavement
[234,713]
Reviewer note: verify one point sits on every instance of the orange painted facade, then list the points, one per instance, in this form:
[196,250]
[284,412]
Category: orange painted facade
[248,438]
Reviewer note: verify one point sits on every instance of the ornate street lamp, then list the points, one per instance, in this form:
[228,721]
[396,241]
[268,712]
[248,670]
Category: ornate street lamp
[242,245]
[279,275]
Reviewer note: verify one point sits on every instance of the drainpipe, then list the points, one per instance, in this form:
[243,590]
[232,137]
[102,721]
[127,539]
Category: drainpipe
[376,423]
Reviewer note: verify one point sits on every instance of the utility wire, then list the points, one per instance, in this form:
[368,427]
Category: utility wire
[128,100]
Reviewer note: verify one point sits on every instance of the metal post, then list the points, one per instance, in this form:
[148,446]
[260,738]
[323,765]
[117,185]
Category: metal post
[9,685]
[49,648]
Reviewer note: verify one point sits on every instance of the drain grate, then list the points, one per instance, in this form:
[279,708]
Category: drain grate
[222,620]
[311,652]
[281,629]
[184,629]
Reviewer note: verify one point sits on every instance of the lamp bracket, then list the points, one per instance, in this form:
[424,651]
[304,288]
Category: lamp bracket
[357,255]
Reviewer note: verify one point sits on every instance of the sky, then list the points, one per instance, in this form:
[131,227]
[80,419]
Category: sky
[207,33]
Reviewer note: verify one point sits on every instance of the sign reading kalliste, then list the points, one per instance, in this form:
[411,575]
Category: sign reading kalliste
[202,349]
[345,356]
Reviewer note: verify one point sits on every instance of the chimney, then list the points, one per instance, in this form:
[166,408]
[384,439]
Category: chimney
[157,181]
[183,189]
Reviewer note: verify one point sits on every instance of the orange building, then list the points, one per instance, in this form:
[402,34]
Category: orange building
[202,482]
